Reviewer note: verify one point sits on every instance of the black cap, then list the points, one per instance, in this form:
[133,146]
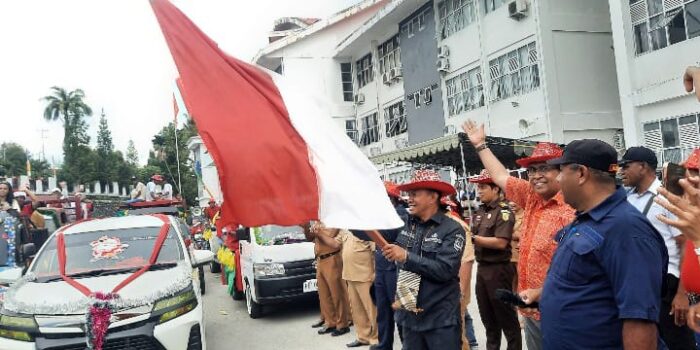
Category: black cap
[640,154]
[594,154]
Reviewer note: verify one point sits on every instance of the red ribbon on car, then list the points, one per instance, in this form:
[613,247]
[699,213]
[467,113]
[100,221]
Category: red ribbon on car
[61,245]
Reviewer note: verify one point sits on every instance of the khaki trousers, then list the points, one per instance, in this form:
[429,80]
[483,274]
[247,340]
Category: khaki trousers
[332,292]
[364,313]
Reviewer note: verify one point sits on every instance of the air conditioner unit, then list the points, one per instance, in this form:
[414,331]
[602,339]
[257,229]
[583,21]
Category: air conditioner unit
[360,99]
[386,78]
[517,9]
[375,151]
[395,73]
[443,51]
[443,65]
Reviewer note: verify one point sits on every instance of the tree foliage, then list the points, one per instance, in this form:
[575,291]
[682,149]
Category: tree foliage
[164,158]
[132,155]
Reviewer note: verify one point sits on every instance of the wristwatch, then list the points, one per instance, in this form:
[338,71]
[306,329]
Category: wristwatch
[481,147]
[697,250]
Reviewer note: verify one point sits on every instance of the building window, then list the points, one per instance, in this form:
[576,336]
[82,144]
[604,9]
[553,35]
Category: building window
[351,129]
[456,15]
[389,55]
[514,73]
[369,129]
[363,67]
[673,139]
[416,23]
[395,119]
[346,81]
[658,24]
[492,5]
[465,92]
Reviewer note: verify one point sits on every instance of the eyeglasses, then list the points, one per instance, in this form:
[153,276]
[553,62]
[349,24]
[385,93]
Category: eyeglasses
[542,169]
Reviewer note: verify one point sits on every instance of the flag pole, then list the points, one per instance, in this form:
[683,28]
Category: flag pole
[177,157]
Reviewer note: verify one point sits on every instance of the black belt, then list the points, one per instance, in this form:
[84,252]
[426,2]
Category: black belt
[325,256]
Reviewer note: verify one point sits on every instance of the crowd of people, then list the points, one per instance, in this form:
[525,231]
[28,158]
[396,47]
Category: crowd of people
[590,252]
[156,189]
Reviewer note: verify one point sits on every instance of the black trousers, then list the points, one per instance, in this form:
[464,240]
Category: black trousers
[445,338]
[496,315]
[385,294]
[676,338]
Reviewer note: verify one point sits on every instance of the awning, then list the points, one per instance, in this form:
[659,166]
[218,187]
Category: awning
[445,151]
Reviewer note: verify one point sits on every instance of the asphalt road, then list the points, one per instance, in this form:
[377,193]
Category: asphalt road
[286,326]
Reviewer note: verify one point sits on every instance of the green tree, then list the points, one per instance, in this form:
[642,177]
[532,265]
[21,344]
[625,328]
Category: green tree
[107,162]
[70,109]
[165,158]
[40,168]
[132,155]
[13,158]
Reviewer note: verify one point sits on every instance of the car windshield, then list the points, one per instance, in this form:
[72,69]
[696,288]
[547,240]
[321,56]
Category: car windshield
[115,251]
[278,235]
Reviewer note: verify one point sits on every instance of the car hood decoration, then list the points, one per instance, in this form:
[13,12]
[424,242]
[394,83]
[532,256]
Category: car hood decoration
[29,297]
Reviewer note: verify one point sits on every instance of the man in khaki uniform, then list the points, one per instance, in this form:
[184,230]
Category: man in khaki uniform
[332,292]
[358,273]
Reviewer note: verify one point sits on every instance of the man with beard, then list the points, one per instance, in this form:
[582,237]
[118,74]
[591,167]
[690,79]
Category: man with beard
[544,213]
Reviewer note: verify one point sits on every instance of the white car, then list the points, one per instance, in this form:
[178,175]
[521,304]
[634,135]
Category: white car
[160,309]
[277,265]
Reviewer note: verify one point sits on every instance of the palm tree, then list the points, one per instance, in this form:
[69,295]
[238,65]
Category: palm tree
[67,107]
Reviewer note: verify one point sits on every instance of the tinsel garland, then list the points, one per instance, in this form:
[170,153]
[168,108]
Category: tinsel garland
[40,307]
[98,319]
[10,228]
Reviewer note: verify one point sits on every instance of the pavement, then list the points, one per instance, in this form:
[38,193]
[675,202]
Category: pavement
[285,326]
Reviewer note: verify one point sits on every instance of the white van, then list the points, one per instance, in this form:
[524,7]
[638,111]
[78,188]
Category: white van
[277,264]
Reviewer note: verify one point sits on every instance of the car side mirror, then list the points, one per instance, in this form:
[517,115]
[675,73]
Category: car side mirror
[243,234]
[28,250]
[201,257]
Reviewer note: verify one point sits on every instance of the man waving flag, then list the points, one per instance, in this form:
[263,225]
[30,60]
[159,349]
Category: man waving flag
[280,157]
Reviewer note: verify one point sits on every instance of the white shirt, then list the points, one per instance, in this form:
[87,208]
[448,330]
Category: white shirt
[150,190]
[167,191]
[139,191]
[668,233]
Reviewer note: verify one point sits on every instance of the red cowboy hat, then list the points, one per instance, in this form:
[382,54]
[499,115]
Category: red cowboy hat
[483,178]
[427,179]
[446,200]
[693,161]
[157,177]
[392,190]
[543,152]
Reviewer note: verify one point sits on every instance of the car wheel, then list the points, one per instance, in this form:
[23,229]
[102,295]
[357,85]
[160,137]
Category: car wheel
[202,284]
[254,309]
[215,267]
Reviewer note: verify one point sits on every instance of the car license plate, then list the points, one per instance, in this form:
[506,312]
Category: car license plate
[310,286]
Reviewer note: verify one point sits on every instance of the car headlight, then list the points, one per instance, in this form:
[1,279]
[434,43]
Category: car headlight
[175,306]
[20,328]
[268,269]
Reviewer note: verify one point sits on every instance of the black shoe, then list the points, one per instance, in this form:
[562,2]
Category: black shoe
[375,347]
[356,344]
[340,331]
[318,324]
[326,330]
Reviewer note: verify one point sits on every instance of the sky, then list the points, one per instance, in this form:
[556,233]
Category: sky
[115,51]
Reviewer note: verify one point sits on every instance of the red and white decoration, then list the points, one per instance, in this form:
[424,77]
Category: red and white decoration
[280,157]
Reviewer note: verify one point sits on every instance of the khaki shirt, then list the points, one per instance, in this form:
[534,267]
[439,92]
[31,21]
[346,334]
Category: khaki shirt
[358,257]
[494,220]
[319,247]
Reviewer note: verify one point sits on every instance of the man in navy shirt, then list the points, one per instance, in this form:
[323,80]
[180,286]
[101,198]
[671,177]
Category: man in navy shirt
[603,289]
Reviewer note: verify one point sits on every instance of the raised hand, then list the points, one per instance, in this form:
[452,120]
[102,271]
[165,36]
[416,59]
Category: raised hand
[476,133]
[686,208]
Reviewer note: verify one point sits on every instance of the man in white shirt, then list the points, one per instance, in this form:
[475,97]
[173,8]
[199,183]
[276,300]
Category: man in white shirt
[638,170]
[138,194]
[152,188]
[167,189]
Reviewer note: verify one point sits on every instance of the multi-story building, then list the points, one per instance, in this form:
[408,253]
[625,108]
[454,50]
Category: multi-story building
[655,40]
[303,49]
[406,72]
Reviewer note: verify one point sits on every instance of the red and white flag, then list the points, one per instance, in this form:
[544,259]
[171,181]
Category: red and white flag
[280,157]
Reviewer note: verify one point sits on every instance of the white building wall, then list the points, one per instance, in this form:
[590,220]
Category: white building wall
[577,97]
[651,87]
